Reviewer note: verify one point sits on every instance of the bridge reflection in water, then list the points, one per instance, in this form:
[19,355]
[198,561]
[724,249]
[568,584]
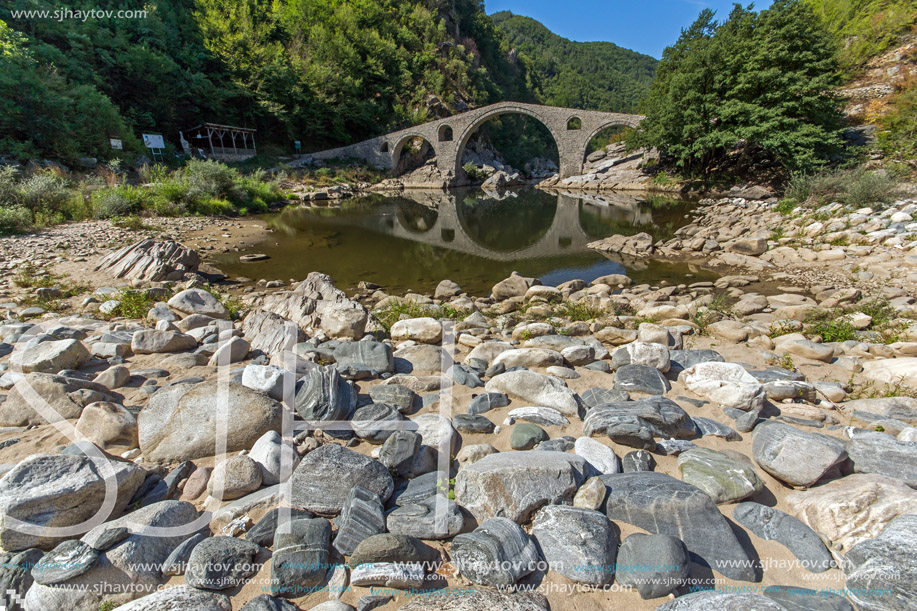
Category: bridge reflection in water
[473,237]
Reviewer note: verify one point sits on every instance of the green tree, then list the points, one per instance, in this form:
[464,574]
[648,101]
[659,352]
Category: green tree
[758,84]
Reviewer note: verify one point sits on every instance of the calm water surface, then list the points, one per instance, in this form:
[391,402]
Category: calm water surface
[472,237]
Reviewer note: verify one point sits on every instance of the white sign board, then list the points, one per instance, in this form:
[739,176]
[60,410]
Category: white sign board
[153,141]
[116,144]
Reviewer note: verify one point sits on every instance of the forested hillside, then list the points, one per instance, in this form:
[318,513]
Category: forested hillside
[322,71]
[594,75]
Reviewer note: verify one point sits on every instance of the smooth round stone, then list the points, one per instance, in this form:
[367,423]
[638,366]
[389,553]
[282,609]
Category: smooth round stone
[654,565]
[561,444]
[218,563]
[367,419]
[234,478]
[433,518]
[526,435]
[726,476]
[638,460]
[467,423]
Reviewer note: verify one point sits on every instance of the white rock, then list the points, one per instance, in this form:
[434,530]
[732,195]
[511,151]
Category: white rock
[598,455]
[725,383]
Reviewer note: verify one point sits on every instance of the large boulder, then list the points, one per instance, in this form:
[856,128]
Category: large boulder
[516,484]
[580,544]
[875,452]
[793,456]
[854,508]
[150,260]
[180,597]
[497,553]
[154,341]
[638,423]
[198,301]
[180,422]
[323,395]
[882,572]
[377,356]
[318,307]
[126,569]
[51,357]
[661,504]
[326,475]
[536,389]
[774,525]
[58,491]
[65,396]
[269,332]
[727,476]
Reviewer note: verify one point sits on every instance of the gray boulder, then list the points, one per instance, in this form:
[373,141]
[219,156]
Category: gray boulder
[642,379]
[654,565]
[326,475]
[180,421]
[876,452]
[220,563]
[793,456]
[56,491]
[497,553]
[637,423]
[516,484]
[65,396]
[580,544]
[727,476]
[52,356]
[361,517]
[377,356]
[882,572]
[774,525]
[433,518]
[153,341]
[661,504]
[300,558]
[322,394]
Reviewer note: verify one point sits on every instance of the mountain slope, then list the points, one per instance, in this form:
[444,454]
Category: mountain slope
[590,75]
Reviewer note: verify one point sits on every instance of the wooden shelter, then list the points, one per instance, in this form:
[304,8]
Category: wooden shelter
[224,142]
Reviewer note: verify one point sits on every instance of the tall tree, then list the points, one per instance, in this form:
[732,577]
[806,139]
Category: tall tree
[756,84]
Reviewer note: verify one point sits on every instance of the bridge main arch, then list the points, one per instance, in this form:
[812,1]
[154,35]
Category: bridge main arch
[454,162]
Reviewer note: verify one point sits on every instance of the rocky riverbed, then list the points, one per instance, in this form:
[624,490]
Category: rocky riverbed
[743,443]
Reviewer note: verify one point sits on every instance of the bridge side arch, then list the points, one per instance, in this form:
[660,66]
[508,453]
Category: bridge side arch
[462,141]
[623,121]
[403,140]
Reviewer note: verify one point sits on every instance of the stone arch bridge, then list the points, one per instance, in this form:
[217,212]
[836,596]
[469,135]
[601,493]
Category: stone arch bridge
[571,129]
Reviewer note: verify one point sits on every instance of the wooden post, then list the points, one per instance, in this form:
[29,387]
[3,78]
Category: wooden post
[210,140]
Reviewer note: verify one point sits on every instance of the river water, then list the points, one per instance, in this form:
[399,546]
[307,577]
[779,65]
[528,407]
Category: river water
[470,236]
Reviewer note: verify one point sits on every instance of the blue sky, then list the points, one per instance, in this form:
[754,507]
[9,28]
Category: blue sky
[647,26]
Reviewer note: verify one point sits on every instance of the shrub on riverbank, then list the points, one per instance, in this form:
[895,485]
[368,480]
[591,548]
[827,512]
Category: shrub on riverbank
[855,187]
[200,187]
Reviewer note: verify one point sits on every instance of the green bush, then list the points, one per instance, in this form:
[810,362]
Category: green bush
[14,219]
[856,187]
[43,193]
[118,201]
